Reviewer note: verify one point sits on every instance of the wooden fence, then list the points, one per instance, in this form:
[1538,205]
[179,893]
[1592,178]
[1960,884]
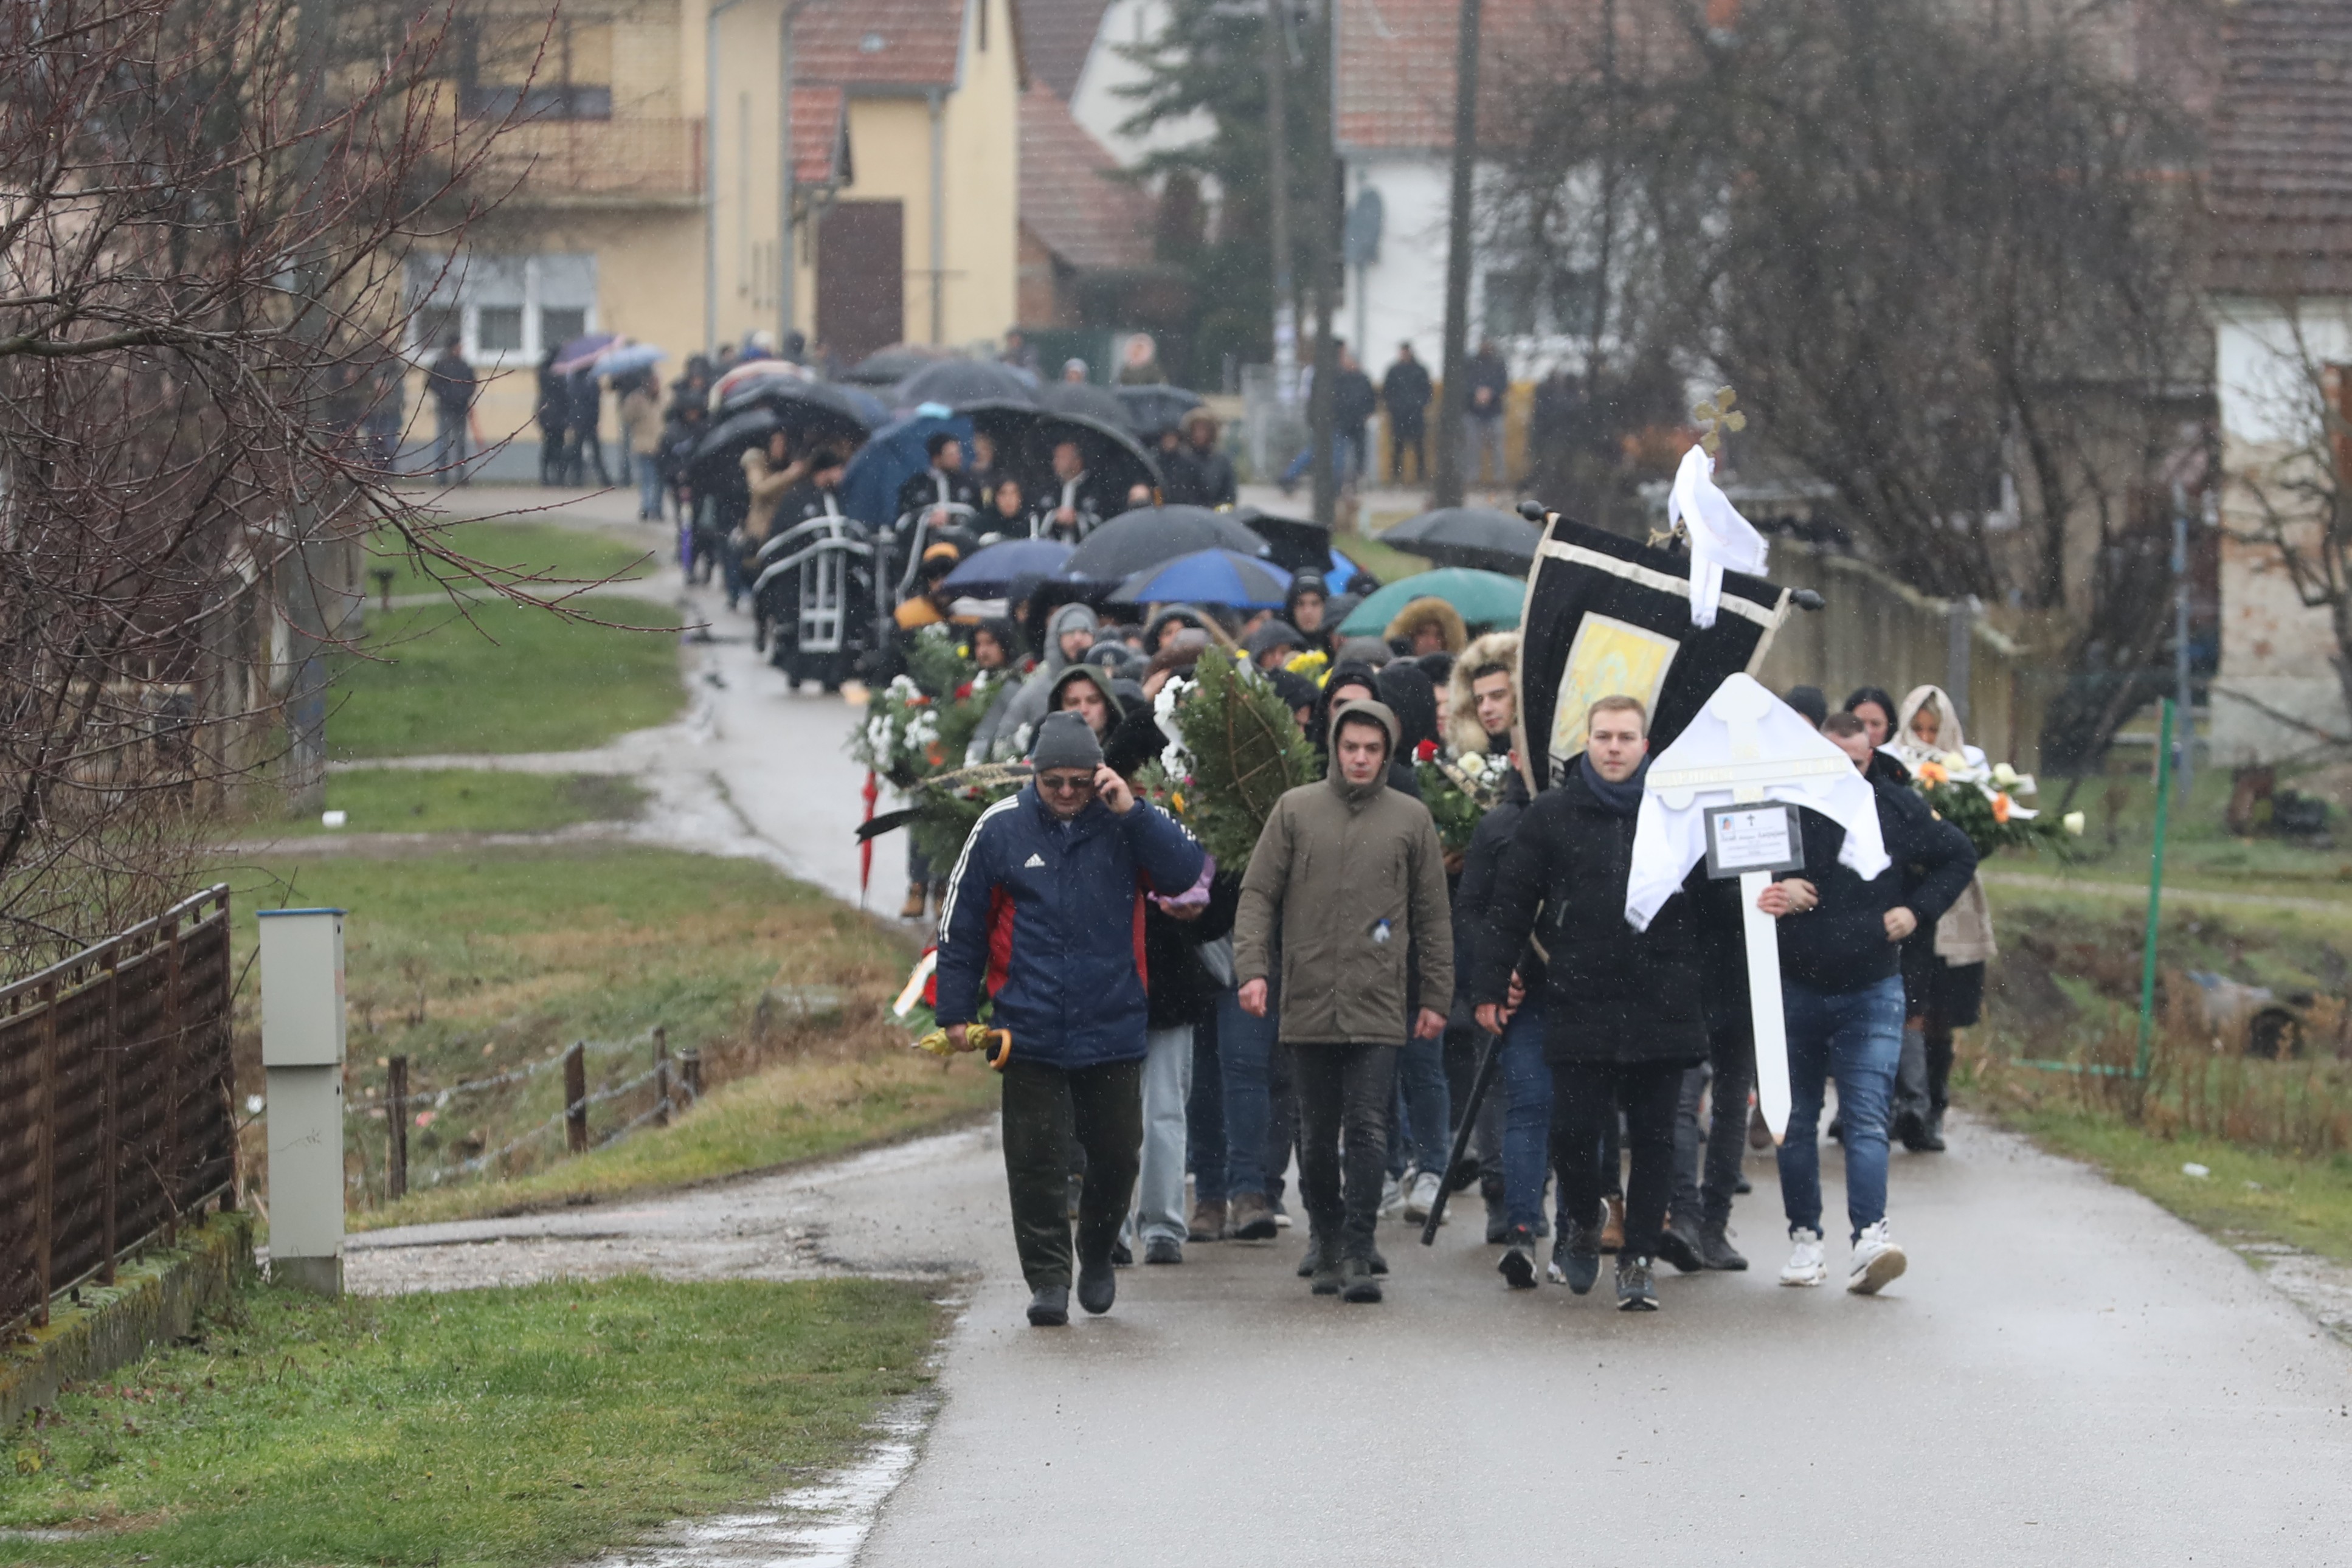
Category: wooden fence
[117,1116]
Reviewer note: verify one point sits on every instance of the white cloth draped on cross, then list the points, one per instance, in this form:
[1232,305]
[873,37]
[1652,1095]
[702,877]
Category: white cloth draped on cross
[1721,540]
[1747,746]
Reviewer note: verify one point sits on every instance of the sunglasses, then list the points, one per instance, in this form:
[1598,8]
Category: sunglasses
[1066,784]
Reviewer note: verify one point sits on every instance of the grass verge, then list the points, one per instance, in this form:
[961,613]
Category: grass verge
[491,962]
[466,800]
[504,678]
[497,1428]
[551,551]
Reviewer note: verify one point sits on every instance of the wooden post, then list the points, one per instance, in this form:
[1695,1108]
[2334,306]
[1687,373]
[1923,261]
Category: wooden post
[661,1076]
[110,1146]
[690,1065]
[395,1109]
[575,1097]
[172,1048]
[44,1157]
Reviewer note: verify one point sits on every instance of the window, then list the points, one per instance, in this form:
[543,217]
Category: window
[516,68]
[504,308]
[498,328]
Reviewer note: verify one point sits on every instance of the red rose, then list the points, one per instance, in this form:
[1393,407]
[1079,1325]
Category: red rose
[1425,752]
[963,691]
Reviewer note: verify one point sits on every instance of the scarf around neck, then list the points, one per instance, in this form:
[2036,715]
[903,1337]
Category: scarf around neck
[1620,799]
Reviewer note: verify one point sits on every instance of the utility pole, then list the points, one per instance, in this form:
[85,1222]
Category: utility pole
[1328,215]
[713,11]
[2184,767]
[787,183]
[1455,360]
[1277,188]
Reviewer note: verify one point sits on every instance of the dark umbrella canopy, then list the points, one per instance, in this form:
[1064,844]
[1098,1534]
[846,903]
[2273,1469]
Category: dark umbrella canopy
[888,367]
[957,382]
[1099,405]
[1026,437]
[869,489]
[1477,537]
[1003,570]
[1132,541]
[810,411]
[717,465]
[1153,411]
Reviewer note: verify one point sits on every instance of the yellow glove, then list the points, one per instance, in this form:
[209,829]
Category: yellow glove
[994,1044]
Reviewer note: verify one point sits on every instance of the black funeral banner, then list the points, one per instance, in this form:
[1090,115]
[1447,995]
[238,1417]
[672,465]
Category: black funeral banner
[1605,615]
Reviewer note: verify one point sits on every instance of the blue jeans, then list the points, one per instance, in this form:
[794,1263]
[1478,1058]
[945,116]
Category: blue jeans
[1205,1116]
[1527,1117]
[1425,1127]
[1159,1178]
[649,488]
[1245,1048]
[1855,1037]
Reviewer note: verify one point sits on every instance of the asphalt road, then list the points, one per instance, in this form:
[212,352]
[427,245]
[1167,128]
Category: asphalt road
[2066,1375]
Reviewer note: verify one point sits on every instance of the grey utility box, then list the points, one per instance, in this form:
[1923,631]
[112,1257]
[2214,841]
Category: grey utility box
[302,1059]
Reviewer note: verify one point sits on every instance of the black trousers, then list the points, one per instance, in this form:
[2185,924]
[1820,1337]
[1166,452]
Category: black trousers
[1731,1063]
[1047,1109]
[1585,1096]
[1408,437]
[1343,1090]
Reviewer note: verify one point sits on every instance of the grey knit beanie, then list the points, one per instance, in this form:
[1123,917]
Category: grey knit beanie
[1065,741]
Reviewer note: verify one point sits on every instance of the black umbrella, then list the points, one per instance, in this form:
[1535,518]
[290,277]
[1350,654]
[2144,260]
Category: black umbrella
[1153,411]
[888,367]
[1295,544]
[1026,436]
[1477,537]
[810,412]
[1151,535]
[716,466]
[1086,401]
[956,383]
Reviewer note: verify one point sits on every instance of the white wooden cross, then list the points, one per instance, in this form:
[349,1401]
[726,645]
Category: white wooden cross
[1745,746]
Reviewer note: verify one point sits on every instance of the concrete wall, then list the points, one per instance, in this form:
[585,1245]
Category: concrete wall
[2277,685]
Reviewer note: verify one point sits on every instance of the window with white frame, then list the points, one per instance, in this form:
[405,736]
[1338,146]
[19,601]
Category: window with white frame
[507,310]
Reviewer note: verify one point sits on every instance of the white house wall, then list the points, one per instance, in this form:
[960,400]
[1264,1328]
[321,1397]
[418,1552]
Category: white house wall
[1099,104]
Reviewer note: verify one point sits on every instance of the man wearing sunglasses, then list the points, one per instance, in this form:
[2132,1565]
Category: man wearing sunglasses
[1045,909]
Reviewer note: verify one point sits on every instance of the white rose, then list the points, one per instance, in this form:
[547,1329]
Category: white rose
[2004,776]
[2072,822]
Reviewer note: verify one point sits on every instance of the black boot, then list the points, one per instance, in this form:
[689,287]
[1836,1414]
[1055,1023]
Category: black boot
[1678,1244]
[1931,1134]
[1049,1306]
[1715,1246]
[1357,1281]
[1097,1286]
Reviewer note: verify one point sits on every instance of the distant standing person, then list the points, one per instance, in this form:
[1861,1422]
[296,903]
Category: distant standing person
[586,403]
[1353,403]
[450,381]
[553,413]
[1489,383]
[641,439]
[1213,481]
[1405,393]
[1349,882]
[1043,911]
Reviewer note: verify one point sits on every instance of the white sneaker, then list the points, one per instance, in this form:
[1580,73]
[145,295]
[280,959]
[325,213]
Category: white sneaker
[1420,1196]
[1806,1265]
[1877,1261]
[1391,1197]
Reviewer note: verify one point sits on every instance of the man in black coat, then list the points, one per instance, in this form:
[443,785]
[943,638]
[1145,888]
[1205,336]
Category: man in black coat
[1211,476]
[1624,1015]
[1405,392]
[1842,990]
[941,484]
[1353,403]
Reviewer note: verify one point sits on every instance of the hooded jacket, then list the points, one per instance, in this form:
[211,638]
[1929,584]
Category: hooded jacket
[1429,607]
[1048,916]
[1351,879]
[1963,933]
[1463,730]
[1029,705]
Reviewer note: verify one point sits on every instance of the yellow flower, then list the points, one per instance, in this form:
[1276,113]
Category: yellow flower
[1176,798]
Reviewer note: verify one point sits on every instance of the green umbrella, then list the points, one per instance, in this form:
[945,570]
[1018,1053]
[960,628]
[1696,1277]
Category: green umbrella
[1487,600]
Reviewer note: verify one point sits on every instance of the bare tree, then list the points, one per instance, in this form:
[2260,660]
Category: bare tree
[209,206]
[1944,262]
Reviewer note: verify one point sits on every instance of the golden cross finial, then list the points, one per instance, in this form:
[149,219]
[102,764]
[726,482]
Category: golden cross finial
[1718,416]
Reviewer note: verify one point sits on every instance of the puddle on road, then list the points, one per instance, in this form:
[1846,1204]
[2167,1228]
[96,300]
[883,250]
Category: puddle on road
[822,1526]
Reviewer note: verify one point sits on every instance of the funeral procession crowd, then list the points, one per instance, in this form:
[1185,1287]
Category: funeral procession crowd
[1226,857]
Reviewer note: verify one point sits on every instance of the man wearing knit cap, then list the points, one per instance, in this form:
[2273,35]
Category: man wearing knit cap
[1350,876]
[1044,915]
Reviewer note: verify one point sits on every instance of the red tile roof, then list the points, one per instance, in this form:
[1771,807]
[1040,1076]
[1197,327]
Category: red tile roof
[2280,149]
[1068,201]
[878,43]
[1396,64]
[820,135]
[1057,36]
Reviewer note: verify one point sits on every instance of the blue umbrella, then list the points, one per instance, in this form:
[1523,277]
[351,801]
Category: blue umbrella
[630,356]
[1208,577]
[869,487]
[997,570]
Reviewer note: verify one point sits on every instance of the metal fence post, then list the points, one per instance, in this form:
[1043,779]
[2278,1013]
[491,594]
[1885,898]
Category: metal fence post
[45,1170]
[575,1097]
[395,1164]
[171,1044]
[661,1076]
[2154,892]
[690,1067]
[110,1124]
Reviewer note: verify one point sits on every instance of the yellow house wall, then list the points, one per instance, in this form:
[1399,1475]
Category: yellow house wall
[983,183]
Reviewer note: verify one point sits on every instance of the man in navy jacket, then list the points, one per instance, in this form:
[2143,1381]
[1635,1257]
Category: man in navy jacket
[1045,911]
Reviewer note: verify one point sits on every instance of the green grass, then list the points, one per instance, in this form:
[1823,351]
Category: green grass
[483,962]
[2200,852]
[509,679]
[466,800]
[481,1428]
[2306,1203]
[549,551]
